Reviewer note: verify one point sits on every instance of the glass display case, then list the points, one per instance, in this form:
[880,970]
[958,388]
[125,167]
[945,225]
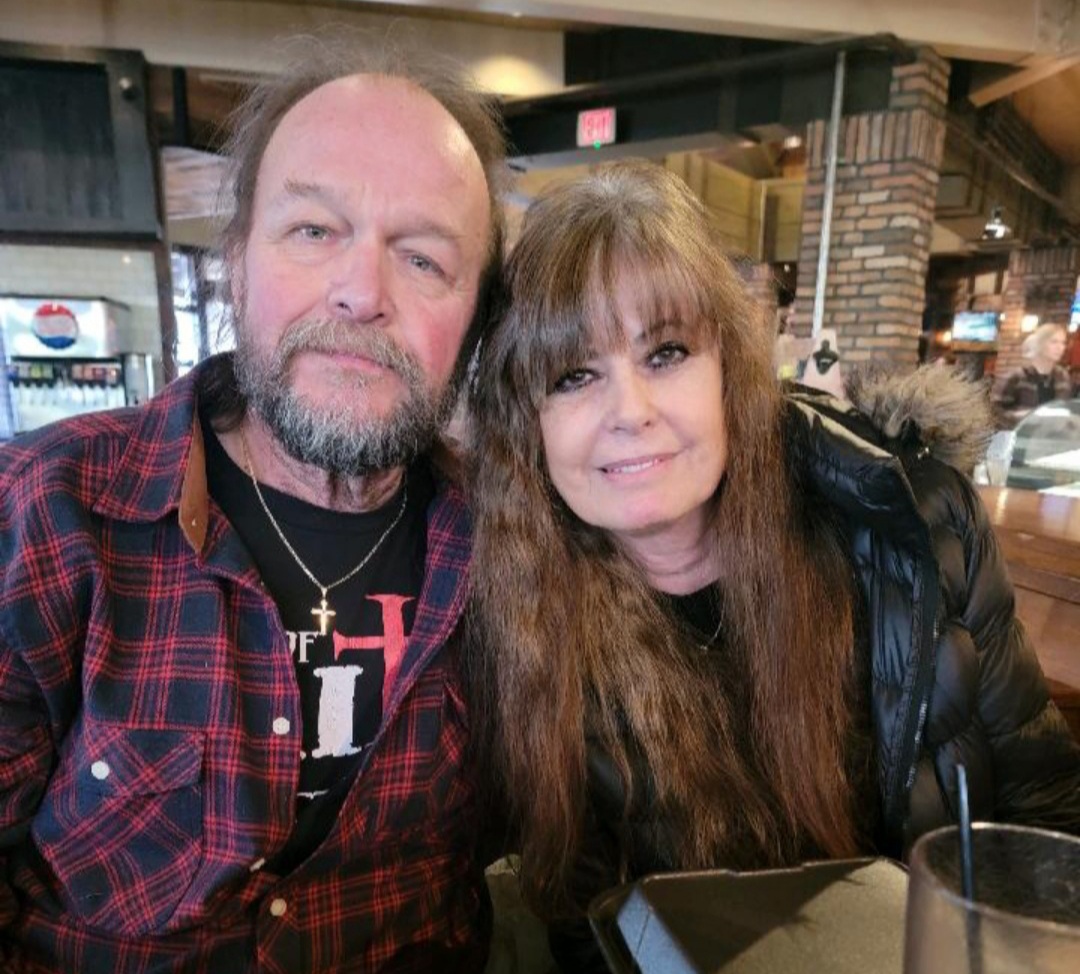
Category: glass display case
[1045,450]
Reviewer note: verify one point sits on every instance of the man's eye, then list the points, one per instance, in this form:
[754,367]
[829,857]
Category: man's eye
[668,354]
[424,264]
[311,231]
[572,380]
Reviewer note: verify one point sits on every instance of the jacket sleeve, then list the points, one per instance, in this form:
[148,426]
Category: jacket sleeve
[1005,393]
[1008,409]
[1036,762]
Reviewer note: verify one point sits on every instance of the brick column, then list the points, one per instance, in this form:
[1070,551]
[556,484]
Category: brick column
[883,211]
[761,285]
[1040,282]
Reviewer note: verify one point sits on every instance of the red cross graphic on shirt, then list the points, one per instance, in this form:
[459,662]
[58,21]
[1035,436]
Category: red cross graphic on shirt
[391,642]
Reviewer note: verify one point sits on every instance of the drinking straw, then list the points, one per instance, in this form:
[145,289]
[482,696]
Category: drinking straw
[967,867]
[967,874]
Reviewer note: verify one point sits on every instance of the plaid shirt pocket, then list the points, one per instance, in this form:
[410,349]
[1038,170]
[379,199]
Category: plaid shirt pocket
[121,825]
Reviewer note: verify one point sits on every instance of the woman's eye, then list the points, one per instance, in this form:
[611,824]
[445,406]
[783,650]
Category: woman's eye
[668,354]
[572,380]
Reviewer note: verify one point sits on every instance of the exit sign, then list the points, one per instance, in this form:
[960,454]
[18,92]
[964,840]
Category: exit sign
[596,127]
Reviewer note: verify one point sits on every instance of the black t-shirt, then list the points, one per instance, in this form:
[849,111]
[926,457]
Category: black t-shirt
[346,676]
[700,611]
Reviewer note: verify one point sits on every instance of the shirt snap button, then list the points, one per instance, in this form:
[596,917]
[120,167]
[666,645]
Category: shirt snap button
[278,908]
[257,865]
[100,770]
[281,725]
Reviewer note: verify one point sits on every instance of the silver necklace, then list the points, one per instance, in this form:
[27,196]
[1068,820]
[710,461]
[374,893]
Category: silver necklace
[323,610]
[705,646]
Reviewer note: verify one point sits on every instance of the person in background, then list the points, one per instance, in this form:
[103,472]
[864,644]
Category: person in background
[232,733]
[1039,382]
[719,626]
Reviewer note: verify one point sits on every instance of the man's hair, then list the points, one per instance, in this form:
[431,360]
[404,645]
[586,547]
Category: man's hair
[316,60]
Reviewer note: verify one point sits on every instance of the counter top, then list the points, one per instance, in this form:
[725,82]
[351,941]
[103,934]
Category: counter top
[1047,515]
[1039,535]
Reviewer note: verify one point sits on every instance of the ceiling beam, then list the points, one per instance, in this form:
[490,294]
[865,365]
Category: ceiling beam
[997,30]
[1038,70]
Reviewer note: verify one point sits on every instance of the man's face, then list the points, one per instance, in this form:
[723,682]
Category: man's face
[369,234]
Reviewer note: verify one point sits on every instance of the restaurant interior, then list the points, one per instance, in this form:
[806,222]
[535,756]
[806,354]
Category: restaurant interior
[900,180]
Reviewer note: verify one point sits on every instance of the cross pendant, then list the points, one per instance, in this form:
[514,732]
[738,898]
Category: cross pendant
[323,612]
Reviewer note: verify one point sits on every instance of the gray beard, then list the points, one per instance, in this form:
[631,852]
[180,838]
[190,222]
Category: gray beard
[340,441]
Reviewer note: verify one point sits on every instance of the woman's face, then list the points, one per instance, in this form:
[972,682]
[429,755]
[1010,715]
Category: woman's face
[1054,347]
[634,437]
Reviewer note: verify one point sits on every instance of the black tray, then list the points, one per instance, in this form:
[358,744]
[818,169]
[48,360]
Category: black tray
[844,917]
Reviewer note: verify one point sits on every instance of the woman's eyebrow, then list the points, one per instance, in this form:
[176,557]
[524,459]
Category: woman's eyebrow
[663,325]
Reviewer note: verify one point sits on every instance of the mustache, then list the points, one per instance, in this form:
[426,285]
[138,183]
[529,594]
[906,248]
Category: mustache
[334,336]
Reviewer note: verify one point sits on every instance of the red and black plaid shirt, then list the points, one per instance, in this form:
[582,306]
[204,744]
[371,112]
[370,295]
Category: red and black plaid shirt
[150,733]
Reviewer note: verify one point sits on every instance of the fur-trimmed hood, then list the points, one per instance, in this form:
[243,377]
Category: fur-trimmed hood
[947,412]
[859,453]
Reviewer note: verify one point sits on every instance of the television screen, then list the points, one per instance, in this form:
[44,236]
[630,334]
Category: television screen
[975,326]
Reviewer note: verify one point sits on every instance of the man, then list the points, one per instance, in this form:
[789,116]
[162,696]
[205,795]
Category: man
[231,727]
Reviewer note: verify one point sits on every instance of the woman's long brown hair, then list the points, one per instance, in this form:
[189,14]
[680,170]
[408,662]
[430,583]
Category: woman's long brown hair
[572,639]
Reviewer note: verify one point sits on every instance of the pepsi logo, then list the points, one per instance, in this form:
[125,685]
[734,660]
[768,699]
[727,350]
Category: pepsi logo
[55,325]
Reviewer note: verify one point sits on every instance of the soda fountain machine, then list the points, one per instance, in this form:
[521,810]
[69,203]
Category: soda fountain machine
[66,356]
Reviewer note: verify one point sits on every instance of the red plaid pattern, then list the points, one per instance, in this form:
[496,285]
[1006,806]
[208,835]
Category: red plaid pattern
[150,734]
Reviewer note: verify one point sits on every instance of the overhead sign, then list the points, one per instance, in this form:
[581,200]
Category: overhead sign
[596,127]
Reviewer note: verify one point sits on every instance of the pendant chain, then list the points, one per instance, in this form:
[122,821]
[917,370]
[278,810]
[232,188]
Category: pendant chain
[324,611]
[707,645]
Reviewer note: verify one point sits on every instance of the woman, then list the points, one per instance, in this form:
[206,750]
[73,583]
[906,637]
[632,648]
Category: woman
[1039,382]
[722,627]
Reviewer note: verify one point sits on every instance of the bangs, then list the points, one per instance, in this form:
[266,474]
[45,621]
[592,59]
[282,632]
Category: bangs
[577,316]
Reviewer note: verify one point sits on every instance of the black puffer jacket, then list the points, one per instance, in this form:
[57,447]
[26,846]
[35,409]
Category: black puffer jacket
[953,676]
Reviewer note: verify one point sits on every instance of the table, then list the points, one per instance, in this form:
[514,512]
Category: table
[1039,535]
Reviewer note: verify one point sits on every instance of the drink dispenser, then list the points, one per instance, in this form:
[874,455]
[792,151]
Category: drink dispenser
[66,356]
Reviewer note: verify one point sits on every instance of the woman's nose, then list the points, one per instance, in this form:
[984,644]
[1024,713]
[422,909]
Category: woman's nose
[631,404]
